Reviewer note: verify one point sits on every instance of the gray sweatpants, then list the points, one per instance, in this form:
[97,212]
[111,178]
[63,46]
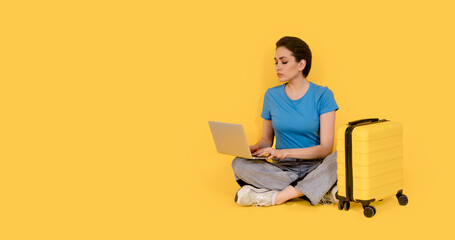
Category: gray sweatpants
[313,178]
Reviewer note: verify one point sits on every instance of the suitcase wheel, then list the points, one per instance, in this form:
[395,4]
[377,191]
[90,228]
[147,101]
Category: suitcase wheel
[402,199]
[346,205]
[340,205]
[369,211]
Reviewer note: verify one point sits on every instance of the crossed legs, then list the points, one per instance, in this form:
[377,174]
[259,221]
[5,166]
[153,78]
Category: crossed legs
[261,174]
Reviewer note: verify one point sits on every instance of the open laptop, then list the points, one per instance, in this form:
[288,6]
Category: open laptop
[231,139]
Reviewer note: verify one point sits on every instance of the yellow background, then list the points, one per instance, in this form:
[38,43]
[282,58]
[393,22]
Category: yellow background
[104,109]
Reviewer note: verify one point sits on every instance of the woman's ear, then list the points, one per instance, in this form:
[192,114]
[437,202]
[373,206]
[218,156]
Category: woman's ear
[302,65]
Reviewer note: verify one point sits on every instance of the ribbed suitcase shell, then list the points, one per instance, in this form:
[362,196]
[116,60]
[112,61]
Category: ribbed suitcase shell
[377,160]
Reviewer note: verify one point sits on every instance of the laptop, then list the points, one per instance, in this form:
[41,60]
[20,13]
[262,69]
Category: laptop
[231,139]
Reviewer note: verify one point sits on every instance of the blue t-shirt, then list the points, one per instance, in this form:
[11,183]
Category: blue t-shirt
[296,122]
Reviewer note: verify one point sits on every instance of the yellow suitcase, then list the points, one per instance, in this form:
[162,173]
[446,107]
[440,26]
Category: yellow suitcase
[370,163]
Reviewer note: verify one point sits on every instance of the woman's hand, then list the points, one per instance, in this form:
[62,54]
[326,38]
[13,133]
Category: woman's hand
[274,153]
[254,148]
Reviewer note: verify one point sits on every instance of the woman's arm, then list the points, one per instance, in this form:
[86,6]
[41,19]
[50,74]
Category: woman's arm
[267,137]
[327,133]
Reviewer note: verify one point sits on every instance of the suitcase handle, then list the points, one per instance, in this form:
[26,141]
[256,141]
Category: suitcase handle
[363,121]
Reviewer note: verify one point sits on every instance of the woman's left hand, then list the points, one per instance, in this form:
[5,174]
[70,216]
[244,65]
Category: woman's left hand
[274,153]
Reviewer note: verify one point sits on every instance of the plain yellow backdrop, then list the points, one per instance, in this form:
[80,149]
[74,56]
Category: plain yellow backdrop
[104,109]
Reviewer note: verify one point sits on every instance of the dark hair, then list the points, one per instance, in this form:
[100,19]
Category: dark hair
[299,49]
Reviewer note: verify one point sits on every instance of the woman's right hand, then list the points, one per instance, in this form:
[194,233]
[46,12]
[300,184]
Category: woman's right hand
[254,148]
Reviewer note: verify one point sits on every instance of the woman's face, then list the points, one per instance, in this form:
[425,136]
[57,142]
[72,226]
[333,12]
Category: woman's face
[286,66]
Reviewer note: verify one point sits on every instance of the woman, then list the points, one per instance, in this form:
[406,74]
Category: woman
[301,115]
